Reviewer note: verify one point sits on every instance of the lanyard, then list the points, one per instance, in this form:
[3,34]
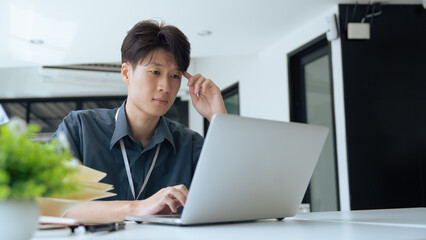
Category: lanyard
[126,164]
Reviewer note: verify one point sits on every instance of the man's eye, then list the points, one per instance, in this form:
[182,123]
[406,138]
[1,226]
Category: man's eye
[155,72]
[176,76]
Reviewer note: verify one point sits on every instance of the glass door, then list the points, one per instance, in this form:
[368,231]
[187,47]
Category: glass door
[311,101]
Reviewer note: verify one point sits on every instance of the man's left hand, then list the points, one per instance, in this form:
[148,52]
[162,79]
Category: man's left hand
[205,95]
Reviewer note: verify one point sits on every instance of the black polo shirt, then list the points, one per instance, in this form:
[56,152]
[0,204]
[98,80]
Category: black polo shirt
[94,138]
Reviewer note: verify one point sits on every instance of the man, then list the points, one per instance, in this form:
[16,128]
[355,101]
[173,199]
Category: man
[149,159]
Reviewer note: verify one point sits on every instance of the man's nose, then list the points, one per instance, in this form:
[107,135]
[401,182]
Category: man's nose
[163,83]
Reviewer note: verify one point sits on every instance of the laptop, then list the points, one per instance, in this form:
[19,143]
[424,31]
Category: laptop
[249,169]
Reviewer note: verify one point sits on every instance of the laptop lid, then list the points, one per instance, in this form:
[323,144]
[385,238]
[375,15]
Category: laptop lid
[251,169]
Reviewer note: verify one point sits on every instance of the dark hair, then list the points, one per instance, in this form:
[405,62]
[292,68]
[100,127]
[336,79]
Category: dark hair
[147,36]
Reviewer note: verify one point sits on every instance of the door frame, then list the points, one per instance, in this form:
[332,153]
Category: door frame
[316,48]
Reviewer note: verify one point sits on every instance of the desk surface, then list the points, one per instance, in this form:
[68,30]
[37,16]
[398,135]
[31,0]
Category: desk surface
[407,223]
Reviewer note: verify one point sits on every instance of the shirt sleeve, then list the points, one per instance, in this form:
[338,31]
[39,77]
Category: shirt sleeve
[71,129]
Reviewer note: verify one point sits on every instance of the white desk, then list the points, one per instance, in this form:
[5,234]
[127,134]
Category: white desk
[373,224]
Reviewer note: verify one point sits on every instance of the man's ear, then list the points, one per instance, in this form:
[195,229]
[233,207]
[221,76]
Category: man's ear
[125,71]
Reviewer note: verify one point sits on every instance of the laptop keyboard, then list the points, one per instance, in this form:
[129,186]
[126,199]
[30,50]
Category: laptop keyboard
[168,216]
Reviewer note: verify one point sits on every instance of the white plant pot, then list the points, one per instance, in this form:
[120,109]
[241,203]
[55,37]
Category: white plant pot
[18,219]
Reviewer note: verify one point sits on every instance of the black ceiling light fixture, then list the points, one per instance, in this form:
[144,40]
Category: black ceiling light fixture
[204,33]
[37,41]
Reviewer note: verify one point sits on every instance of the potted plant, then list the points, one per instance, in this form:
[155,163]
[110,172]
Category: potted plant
[28,170]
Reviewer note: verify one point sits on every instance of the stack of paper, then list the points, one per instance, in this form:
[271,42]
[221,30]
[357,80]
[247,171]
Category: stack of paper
[93,189]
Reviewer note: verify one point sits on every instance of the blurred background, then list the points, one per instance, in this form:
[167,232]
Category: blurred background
[355,67]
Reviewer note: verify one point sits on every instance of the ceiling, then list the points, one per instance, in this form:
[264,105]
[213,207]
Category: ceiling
[91,31]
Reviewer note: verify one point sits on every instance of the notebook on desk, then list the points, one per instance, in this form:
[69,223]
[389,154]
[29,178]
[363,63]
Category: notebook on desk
[249,169]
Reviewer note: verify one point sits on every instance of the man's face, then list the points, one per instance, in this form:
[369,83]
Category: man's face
[153,84]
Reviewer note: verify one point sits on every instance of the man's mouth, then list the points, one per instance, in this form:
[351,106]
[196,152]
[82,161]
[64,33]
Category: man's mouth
[161,101]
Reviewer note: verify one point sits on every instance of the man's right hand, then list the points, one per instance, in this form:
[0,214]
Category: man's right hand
[165,201]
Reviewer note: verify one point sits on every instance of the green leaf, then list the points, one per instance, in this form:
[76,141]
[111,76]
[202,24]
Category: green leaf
[29,169]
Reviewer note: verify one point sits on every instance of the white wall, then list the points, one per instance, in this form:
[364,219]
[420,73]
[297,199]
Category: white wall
[264,84]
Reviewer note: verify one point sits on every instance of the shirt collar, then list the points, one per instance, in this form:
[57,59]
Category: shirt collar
[162,132]
[122,129]
[121,126]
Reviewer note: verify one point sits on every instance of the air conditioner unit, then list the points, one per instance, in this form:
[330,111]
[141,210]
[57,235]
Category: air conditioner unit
[82,77]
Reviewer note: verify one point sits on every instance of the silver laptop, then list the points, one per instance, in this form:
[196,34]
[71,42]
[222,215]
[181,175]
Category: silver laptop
[249,169]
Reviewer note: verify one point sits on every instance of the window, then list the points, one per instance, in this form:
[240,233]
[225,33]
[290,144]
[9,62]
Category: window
[49,112]
[231,98]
